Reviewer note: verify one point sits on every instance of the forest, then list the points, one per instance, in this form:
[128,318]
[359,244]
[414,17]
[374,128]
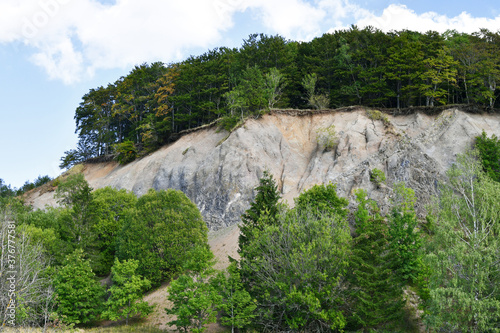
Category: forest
[402,69]
[316,267]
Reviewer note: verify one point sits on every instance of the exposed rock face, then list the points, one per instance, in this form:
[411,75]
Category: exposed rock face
[220,175]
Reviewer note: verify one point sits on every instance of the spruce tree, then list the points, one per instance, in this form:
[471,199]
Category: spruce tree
[263,210]
[376,290]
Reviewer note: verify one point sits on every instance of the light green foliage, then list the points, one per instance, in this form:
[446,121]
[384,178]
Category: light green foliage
[160,232]
[322,199]
[237,306]
[126,152]
[404,237]
[274,86]
[109,206]
[489,151]
[194,298]
[297,266]
[465,270]
[79,294]
[439,70]
[26,293]
[377,115]
[316,101]
[327,137]
[126,292]
[375,289]
[377,176]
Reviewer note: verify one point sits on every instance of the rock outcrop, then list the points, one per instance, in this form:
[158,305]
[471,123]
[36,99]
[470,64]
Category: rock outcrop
[219,172]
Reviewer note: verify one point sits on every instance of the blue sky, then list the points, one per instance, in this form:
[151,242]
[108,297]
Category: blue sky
[53,51]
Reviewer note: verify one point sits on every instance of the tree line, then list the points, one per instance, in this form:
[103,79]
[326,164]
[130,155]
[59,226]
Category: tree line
[148,107]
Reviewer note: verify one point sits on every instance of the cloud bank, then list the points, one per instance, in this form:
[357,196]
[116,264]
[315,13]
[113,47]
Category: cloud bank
[71,39]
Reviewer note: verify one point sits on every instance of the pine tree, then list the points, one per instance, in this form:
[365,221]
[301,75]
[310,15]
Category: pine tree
[376,290]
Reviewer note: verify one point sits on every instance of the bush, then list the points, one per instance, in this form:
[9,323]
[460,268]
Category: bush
[229,122]
[327,137]
[377,115]
[377,176]
[126,152]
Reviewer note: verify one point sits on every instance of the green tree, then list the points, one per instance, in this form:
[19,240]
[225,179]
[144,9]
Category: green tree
[79,295]
[76,195]
[489,152]
[109,207]
[404,238]
[465,270]
[274,86]
[298,266]
[237,305]
[376,289]
[160,232]
[194,298]
[126,292]
[322,199]
[262,210]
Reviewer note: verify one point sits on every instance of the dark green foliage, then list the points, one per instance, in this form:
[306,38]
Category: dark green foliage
[79,295]
[5,190]
[159,232]
[376,289]
[263,210]
[489,152]
[399,69]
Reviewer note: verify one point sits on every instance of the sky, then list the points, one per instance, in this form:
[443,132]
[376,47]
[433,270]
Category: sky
[52,52]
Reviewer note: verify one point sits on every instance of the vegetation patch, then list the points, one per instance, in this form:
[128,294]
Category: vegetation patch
[327,137]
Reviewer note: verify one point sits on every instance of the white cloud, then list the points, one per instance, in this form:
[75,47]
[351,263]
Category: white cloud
[72,39]
[295,19]
[399,17]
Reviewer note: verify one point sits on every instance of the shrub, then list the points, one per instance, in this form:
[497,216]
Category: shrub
[327,137]
[377,176]
[377,115]
[126,152]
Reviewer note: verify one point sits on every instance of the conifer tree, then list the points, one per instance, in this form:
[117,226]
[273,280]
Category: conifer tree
[376,290]
[262,210]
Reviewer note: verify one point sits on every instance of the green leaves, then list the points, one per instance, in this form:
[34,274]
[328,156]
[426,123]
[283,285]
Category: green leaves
[194,298]
[79,294]
[489,151]
[465,270]
[160,232]
[126,292]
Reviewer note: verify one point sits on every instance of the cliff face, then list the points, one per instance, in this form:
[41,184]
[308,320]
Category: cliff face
[219,173]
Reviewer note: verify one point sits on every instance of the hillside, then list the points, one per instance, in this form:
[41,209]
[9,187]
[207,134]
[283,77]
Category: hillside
[219,173]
